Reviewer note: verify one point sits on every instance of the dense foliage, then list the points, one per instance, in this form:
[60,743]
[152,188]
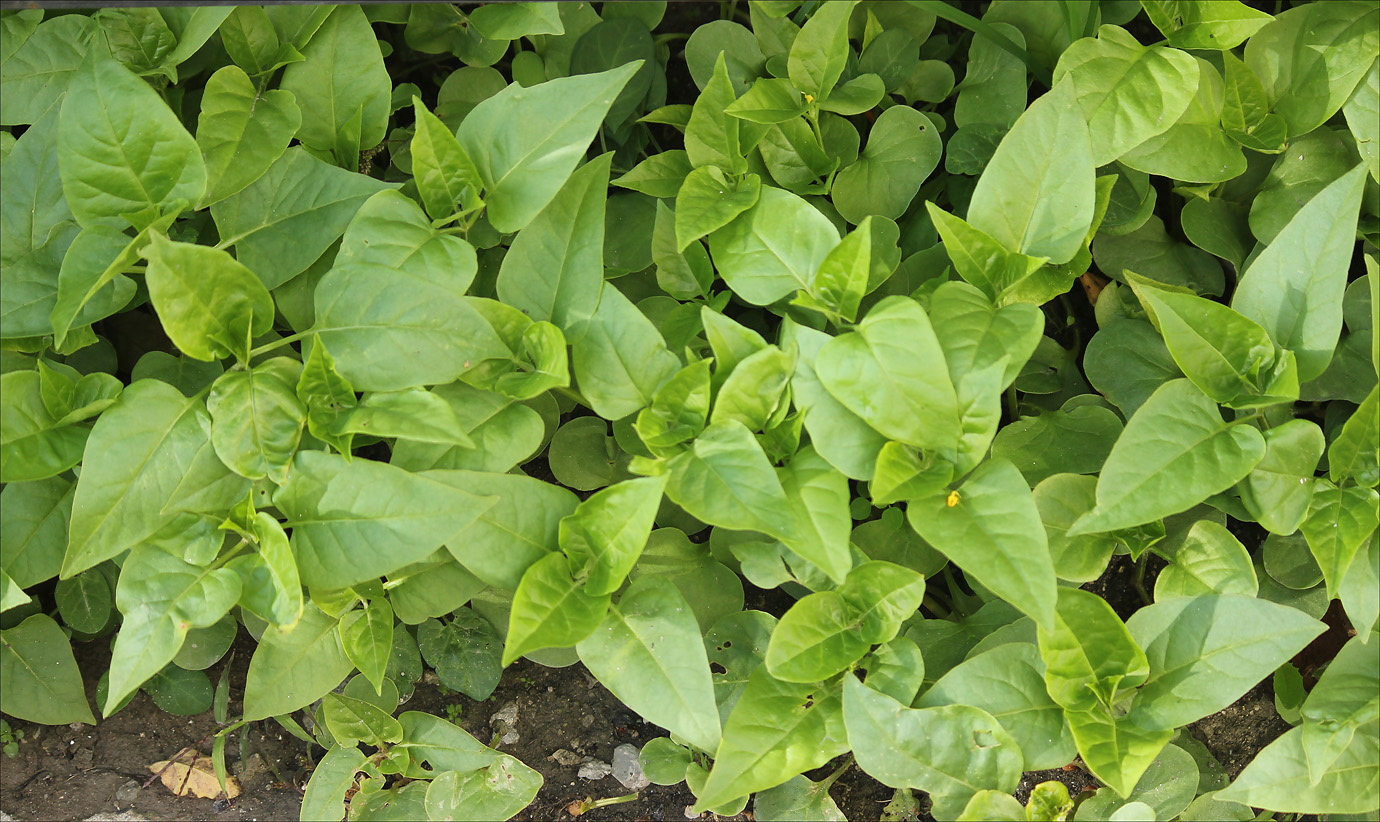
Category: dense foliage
[397,334]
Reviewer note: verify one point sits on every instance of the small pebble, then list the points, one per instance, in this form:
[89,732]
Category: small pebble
[126,794]
[627,768]
[566,758]
[593,769]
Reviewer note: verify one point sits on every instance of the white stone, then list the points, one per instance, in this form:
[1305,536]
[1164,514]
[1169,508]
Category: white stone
[627,768]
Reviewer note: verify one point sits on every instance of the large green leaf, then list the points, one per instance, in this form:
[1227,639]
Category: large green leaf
[622,359]
[1294,287]
[1355,452]
[1206,651]
[41,681]
[33,444]
[1311,57]
[1088,653]
[1174,453]
[902,149]
[161,595]
[390,229]
[991,529]
[499,790]
[820,52]
[136,457]
[554,269]
[1008,683]
[525,142]
[37,74]
[840,436]
[31,198]
[121,150]
[241,131]
[775,731]
[356,519]
[1116,751]
[1127,92]
[1277,779]
[891,372]
[726,479]
[292,668]
[816,638]
[606,533]
[1217,24]
[210,305]
[33,534]
[550,609]
[1338,522]
[1208,561]
[774,248]
[1037,194]
[286,219]
[342,79]
[387,336]
[950,752]
[649,653]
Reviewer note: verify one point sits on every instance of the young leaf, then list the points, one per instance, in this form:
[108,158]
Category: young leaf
[1338,522]
[446,177]
[343,76]
[712,136]
[1280,487]
[211,306]
[820,51]
[707,201]
[903,148]
[773,248]
[1088,654]
[816,638]
[1117,752]
[725,479]
[550,610]
[366,635]
[606,533]
[1355,452]
[622,360]
[257,419]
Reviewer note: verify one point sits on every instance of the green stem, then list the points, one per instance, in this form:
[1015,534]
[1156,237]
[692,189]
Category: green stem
[947,12]
[276,344]
[839,771]
[1139,580]
[573,394]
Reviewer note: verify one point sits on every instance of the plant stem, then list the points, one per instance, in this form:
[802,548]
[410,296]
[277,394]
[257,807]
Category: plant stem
[839,771]
[263,349]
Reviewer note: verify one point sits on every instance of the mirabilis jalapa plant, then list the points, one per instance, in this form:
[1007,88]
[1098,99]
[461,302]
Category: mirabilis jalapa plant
[794,350]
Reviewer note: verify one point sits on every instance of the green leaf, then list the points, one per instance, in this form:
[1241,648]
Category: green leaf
[951,752]
[135,458]
[33,534]
[332,778]
[797,798]
[1218,24]
[768,100]
[1309,257]
[292,668]
[902,150]
[351,721]
[1150,251]
[343,76]
[85,601]
[376,330]
[773,248]
[499,790]
[1117,752]
[842,278]
[1088,654]
[41,681]
[840,436]
[1127,361]
[325,394]
[465,651]
[978,258]
[753,391]
[679,410]
[555,268]
[775,731]
[993,532]
[411,414]
[1360,111]
[712,135]
[1195,148]
[1175,452]
[726,479]
[1008,683]
[33,445]
[622,360]
[612,43]
[1338,522]
[241,131]
[161,595]
[894,379]
[366,635]
[861,94]
[31,191]
[525,142]
[88,289]
[649,653]
[1206,651]
[1343,699]
[660,175]
[353,520]
[1277,779]
[818,496]
[606,533]
[1209,561]
[38,73]
[707,201]
[211,306]
[1310,59]
[514,20]
[270,585]
[121,150]
[550,610]
[1073,440]
[446,177]
[257,419]
[286,219]
[1278,490]
[1127,92]
[1355,452]
[1162,792]
[1230,358]
[820,51]
[505,433]
[1037,195]
[390,229]
[816,638]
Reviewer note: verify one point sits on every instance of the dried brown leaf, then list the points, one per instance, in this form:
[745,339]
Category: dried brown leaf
[193,777]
